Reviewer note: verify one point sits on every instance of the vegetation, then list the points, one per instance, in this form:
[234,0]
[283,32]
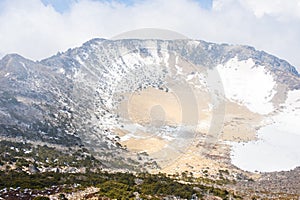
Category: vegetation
[16,158]
[41,198]
[24,154]
[112,185]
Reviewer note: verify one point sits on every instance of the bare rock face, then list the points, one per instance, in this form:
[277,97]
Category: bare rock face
[152,96]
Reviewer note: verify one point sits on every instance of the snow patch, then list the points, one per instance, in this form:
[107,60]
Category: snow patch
[24,66]
[61,71]
[248,84]
[277,147]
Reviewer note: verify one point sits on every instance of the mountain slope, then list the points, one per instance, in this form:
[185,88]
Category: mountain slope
[176,101]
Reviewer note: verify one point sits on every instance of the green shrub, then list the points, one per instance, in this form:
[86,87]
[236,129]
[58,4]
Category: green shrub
[41,198]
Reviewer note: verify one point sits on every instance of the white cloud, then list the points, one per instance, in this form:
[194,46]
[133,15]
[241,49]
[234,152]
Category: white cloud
[37,31]
[277,8]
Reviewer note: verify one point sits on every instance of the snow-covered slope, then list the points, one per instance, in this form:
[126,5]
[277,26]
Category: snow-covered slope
[248,84]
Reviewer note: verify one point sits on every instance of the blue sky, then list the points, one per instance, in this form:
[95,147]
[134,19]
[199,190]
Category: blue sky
[63,5]
[59,5]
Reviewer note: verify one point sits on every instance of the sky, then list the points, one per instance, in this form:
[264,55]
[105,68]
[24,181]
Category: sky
[64,5]
[38,29]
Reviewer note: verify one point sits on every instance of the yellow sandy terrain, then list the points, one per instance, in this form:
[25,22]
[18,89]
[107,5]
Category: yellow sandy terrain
[189,106]
[154,107]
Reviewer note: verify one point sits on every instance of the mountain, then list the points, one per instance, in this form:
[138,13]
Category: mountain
[167,105]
